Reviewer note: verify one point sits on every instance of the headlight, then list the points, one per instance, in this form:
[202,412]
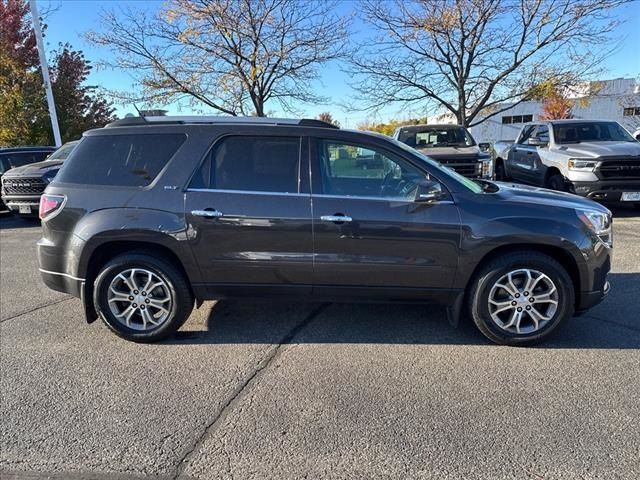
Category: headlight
[599,223]
[582,165]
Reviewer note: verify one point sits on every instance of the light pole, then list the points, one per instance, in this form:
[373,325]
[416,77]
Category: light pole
[35,17]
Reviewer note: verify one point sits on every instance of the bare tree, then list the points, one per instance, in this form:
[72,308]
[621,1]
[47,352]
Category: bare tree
[470,57]
[233,56]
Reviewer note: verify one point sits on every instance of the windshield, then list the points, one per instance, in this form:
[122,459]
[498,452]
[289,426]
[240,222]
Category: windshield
[590,132]
[63,152]
[436,136]
[466,182]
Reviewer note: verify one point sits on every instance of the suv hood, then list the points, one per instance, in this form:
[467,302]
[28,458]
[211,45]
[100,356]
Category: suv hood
[599,149]
[541,196]
[34,169]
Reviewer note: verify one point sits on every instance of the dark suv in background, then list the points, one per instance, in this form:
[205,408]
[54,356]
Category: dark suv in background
[149,215]
[23,185]
[19,156]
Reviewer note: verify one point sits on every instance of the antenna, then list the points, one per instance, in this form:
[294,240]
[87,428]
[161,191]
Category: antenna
[140,114]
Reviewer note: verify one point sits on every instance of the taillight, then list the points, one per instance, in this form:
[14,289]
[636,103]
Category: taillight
[49,204]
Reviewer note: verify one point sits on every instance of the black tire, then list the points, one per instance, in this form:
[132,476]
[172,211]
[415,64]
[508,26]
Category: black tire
[181,296]
[556,182]
[501,173]
[478,299]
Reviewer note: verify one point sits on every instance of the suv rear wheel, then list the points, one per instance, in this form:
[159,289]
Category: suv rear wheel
[520,298]
[142,298]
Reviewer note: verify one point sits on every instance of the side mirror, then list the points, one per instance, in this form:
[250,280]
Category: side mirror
[537,142]
[484,146]
[428,191]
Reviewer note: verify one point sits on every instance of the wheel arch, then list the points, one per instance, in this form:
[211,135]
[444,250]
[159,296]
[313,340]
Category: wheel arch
[550,171]
[563,257]
[103,252]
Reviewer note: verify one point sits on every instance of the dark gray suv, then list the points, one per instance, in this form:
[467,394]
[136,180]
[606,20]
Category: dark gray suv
[149,215]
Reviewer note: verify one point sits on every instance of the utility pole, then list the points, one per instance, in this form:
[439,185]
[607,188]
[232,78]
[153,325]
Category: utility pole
[35,17]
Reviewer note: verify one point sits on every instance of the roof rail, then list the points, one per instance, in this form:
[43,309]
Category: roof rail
[184,120]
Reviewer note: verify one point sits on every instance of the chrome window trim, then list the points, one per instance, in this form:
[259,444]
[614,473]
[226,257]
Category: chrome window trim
[247,192]
[318,195]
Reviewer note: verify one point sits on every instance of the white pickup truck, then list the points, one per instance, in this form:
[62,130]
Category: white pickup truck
[592,158]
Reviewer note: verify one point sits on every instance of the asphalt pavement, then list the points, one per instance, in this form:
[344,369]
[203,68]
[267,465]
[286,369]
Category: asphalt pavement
[294,390]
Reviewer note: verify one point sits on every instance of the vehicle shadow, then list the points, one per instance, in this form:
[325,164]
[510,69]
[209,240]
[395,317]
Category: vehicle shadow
[623,211]
[612,324]
[7,221]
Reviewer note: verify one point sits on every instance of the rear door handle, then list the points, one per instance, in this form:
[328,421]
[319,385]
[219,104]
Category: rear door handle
[336,218]
[207,213]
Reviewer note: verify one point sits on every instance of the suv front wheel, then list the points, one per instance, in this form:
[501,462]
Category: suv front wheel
[142,298]
[520,298]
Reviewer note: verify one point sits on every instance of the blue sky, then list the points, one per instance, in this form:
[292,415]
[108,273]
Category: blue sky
[72,18]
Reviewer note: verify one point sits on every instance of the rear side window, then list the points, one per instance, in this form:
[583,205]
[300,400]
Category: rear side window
[252,163]
[123,160]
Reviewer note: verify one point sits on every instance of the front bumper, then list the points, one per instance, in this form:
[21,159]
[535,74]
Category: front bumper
[591,299]
[605,191]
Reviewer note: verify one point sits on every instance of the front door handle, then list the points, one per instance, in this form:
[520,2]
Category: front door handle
[336,218]
[207,213]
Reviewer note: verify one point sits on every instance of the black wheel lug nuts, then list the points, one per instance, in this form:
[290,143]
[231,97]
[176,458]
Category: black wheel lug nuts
[144,294]
[528,307]
[517,295]
[130,297]
[135,292]
[135,305]
[519,309]
[142,307]
[146,301]
[514,303]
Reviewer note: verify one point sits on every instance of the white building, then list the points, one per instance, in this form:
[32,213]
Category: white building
[617,100]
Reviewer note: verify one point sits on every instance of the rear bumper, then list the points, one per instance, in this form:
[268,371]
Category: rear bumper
[605,190]
[62,282]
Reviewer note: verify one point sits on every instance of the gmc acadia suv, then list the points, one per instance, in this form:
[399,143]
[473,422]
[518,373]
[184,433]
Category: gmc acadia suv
[149,215]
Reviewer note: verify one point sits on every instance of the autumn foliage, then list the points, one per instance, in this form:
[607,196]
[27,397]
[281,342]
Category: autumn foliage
[24,116]
[556,106]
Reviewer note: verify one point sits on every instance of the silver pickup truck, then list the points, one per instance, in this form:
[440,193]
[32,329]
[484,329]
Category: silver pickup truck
[592,158]
[451,145]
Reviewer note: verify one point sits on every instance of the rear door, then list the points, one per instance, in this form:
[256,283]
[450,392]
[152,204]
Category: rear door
[249,221]
[368,231]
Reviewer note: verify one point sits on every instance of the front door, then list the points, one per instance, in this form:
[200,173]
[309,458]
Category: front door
[519,155]
[249,225]
[368,231]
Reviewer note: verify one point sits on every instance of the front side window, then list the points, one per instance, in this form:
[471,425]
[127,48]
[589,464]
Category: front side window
[354,170]
[122,160]
[543,133]
[252,163]
[526,134]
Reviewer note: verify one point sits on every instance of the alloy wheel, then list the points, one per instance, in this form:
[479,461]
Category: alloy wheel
[139,299]
[523,301]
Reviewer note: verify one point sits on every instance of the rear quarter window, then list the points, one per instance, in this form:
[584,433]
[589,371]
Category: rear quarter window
[122,160]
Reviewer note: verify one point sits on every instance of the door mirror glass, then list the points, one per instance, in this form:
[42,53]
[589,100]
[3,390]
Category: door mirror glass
[428,191]
[484,147]
[536,142]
